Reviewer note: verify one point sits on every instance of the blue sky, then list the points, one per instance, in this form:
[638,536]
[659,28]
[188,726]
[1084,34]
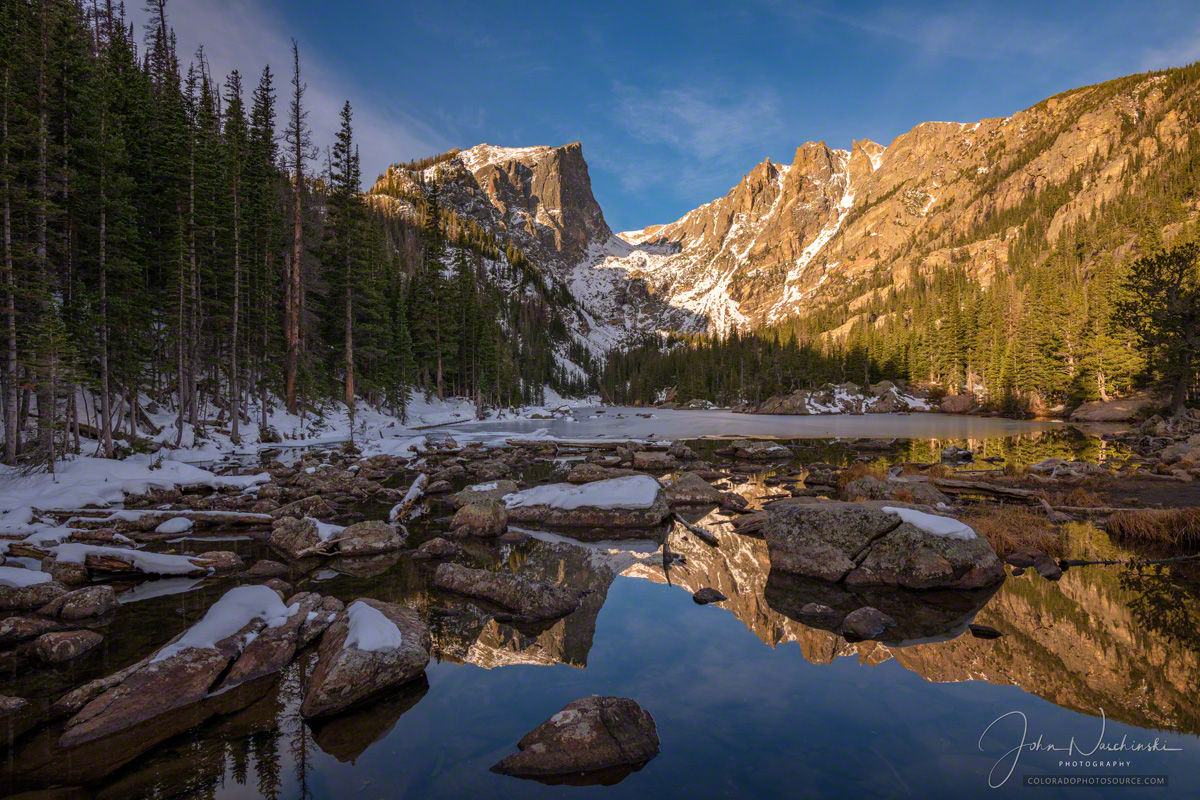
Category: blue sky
[675,102]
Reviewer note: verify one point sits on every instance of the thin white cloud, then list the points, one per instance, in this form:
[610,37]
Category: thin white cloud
[1178,54]
[246,35]
[704,123]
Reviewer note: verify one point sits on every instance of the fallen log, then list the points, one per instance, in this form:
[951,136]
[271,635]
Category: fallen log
[701,534]
[415,492]
[977,487]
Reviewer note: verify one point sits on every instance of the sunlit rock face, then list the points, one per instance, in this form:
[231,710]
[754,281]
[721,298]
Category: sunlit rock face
[793,238]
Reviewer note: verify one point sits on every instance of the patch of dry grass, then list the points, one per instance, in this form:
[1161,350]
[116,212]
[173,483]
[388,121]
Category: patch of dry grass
[904,495]
[1009,528]
[1175,529]
[1079,497]
[862,469]
[1013,470]
[933,471]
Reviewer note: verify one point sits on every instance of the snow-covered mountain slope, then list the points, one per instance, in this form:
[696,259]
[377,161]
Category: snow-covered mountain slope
[834,225]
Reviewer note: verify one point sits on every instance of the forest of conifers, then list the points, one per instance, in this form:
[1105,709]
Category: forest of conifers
[177,238]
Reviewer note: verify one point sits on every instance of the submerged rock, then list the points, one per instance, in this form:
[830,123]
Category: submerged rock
[866,623]
[370,647]
[527,598]
[595,733]
[867,544]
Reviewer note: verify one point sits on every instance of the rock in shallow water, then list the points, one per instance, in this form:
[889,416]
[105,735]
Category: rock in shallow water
[371,646]
[869,544]
[437,548]
[528,599]
[595,733]
[631,502]
[81,603]
[55,648]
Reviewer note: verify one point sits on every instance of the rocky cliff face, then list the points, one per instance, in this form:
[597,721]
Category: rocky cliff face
[833,226]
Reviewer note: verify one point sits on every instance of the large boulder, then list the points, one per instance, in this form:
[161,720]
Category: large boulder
[526,598]
[875,544]
[369,538]
[595,733]
[869,488]
[493,491]
[957,403]
[371,646]
[636,501]
[181,674]
[312,506]
[1121,410]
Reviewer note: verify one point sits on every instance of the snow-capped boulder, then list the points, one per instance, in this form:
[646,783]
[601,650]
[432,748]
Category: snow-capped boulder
[182,673]
[371,646]
[594,733]
[875,544]
[636,501]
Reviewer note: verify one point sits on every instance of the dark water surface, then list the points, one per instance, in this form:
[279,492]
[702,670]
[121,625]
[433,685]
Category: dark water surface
[749,702]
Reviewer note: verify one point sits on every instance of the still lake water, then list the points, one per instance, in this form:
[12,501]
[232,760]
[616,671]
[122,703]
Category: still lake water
[749,702]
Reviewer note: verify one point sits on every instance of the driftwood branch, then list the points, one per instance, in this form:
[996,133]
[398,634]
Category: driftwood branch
[701,534]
